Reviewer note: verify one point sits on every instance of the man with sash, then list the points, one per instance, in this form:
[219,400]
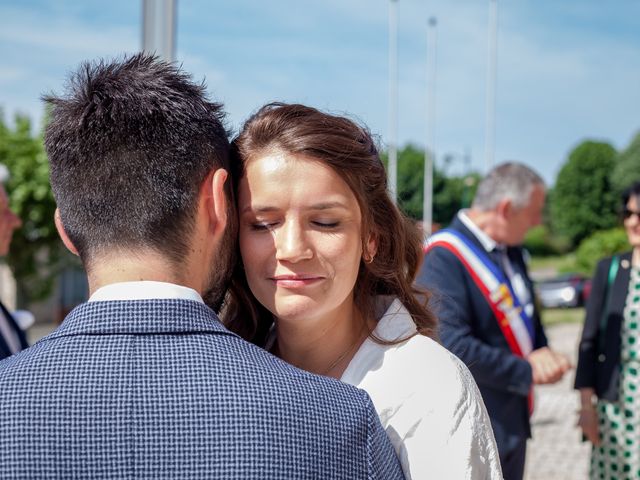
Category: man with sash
[12,338]
[485,303]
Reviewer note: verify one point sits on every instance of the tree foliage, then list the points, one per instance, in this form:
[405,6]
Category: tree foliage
[449,193]
[627,169]
[36,251]
[599,245]
[583,200]
[541,242]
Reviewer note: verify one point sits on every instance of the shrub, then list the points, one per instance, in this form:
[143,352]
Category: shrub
[599,245]
[541,242]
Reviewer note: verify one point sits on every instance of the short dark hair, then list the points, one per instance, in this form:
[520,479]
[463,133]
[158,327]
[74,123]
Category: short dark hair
[632,190]
[129,146]
[351,152]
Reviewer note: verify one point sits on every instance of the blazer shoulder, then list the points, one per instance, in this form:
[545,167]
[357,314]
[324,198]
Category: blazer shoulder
[270,369]
[604,264]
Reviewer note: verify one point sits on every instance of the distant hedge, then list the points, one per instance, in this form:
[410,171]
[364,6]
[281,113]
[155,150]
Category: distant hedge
[540,242]
[599,245]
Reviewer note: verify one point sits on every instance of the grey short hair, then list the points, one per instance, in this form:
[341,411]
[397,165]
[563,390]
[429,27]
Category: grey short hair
[510,180]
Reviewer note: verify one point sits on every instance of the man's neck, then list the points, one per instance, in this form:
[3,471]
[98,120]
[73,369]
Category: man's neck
[485,221]
[134,267]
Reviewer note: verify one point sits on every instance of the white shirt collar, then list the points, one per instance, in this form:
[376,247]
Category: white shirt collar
[144,290]
[487,242]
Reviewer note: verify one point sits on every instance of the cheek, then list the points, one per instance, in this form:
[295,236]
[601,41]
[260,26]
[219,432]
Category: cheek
[344,254]
[633,231]
[255,250]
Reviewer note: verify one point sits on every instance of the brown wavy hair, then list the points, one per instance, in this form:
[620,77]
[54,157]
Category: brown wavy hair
[351,152]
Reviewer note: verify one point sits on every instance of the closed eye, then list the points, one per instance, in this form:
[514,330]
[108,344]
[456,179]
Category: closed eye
[262,226]
[327,225]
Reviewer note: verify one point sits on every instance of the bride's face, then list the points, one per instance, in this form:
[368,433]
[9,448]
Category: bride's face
[300,237]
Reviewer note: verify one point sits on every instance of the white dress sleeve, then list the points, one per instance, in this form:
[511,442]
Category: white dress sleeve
[430,407]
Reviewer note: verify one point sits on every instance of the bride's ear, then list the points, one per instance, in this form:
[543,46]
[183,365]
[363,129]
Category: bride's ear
[370,250]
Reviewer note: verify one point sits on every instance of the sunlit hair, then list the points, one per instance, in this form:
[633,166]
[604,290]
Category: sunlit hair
[511,180]
[351,152]
[129,145]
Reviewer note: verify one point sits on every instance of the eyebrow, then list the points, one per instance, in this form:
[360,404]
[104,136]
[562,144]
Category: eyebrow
[316,206]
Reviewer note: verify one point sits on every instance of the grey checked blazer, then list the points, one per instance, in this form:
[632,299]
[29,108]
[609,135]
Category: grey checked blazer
[160,389]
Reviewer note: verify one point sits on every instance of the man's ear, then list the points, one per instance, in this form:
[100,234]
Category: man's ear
[216,204]
[63,234]
[505,208]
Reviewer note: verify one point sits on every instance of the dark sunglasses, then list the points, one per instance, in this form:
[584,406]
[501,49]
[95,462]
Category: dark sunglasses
[627,213]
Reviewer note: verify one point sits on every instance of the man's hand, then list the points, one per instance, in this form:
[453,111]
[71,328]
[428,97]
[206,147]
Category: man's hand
[547,366]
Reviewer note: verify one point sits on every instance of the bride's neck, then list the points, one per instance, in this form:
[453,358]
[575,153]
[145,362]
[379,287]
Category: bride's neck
[324,346]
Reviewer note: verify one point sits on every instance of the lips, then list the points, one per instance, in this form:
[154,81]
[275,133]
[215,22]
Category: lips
[296,280]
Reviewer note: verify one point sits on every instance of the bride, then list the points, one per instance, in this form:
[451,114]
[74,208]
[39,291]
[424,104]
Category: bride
[326,278]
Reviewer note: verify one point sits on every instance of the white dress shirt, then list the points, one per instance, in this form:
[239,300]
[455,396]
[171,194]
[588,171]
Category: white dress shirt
[144,290]
[427,401]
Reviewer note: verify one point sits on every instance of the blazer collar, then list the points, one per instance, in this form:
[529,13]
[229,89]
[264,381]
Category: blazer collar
[159,316]
[460,227]
[620,286]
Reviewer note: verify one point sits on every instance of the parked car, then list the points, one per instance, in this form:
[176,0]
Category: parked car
[567,291]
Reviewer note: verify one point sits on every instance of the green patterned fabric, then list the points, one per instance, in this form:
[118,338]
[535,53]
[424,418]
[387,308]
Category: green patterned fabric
[618,456]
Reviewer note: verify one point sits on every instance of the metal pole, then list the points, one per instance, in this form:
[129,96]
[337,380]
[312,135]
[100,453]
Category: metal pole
[430,150]
[159,28]
[490,128]
[393,100]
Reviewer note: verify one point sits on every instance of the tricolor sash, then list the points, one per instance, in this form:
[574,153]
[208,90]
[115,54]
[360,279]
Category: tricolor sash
[515,324]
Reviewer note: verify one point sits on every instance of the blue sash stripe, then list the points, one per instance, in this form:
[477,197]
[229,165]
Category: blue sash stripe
[496,272]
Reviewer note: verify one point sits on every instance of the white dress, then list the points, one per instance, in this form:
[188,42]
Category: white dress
[427,401]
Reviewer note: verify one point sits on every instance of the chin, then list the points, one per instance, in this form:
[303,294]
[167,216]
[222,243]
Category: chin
[294,309]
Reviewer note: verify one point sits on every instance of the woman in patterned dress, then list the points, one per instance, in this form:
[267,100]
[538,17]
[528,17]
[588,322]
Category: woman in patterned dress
[608,372]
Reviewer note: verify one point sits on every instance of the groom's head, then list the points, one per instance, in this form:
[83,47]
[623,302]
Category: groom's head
[131,145]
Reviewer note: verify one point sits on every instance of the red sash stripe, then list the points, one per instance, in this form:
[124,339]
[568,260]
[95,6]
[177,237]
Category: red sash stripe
[502,320]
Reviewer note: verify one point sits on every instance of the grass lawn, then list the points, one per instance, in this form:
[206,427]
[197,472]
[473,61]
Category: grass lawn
[554,316]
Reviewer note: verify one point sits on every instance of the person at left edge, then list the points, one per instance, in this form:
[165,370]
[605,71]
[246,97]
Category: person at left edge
[12,338]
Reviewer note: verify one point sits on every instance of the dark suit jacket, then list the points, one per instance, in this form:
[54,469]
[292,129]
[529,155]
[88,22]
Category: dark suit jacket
[599,358]
[153,389]
[5,351]
[469,329]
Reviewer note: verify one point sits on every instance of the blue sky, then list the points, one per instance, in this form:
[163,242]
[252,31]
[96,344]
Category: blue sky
[567,70]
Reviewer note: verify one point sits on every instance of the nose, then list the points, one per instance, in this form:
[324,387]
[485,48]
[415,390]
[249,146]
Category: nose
[292,244]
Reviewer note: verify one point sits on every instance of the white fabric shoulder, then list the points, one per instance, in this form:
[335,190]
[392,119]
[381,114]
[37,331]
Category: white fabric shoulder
[427,401]
[144,290]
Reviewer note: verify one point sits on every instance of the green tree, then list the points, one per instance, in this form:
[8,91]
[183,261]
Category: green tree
[449,193]
[583,200]
[411,181]
[627,169]
[36,252]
